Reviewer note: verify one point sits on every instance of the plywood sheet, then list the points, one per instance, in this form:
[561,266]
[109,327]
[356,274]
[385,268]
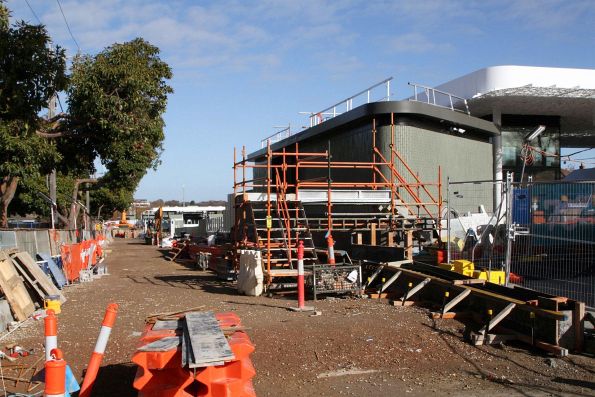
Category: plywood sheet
[205,340]
[13,287]
[30,270]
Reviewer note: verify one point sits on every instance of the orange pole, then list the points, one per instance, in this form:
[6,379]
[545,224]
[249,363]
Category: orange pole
[51,333]
[55,375]
[93,368]
[234,172]
[374,149]
[439,200]
[243,169]
[297,172]
[392,163]
[268,212]
[331,248]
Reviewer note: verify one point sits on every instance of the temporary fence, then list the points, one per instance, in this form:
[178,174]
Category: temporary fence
[81,256]
[476,222]
[554,247]
[78,249]
[41,240]
[542,234]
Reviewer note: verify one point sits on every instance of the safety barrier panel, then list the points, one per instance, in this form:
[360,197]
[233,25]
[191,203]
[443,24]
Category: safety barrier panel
[80,256]
[160,373]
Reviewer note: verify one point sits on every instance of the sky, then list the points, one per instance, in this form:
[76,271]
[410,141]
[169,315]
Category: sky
[242,68]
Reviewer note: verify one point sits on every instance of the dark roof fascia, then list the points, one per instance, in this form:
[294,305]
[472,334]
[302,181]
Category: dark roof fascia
[369,110]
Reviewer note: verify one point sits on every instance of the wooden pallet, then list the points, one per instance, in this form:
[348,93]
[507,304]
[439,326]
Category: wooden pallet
[37,279]
[13,287]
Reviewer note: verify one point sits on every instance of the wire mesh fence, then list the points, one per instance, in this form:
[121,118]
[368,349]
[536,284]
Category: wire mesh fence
[554,250]
[541,234]
[476,223]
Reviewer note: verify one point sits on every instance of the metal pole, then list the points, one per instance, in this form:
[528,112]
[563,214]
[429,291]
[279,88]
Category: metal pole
[53,195]
[388,90]
[509,227]
[448,219]
[87,203]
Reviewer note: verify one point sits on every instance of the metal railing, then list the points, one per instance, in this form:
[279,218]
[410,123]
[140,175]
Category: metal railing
[347,104]
[276,137]
[439,98]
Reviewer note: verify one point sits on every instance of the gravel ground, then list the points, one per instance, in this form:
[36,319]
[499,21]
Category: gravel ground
[357,347]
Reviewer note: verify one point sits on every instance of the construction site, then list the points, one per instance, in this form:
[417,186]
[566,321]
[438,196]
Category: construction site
[357,256]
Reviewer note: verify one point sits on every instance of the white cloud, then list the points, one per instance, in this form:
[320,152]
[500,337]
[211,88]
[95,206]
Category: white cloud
[418,43]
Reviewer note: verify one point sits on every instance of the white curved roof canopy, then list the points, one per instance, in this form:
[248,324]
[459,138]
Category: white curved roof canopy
[528,90]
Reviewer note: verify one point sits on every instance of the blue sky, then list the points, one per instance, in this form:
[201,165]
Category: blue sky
[242,67]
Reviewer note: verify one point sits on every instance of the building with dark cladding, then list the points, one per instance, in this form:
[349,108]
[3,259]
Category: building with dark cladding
[425,136]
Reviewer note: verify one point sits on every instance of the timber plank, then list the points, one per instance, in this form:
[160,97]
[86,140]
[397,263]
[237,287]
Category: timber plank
[14,289]
[206,342]
[38,279]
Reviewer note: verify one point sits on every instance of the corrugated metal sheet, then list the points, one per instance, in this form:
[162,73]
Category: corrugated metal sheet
[26,241]
[229,213]
[8,239]
[43,241]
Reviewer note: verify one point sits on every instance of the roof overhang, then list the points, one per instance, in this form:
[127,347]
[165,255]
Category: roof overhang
[368,111]
[525,90]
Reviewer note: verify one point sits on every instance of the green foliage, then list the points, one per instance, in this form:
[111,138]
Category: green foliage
[23,153]
[116,101]
[31,71]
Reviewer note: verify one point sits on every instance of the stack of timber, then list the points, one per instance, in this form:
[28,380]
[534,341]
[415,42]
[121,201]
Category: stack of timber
[24,284]
[198,354]
[497,313]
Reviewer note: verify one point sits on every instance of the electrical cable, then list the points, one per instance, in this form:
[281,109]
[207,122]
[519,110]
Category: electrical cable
[68,26]
[33,11]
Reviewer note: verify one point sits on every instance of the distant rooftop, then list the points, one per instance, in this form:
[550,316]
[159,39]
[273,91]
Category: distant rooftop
[189,208]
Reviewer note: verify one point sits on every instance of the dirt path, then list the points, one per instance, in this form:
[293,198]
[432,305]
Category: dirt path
[356,348]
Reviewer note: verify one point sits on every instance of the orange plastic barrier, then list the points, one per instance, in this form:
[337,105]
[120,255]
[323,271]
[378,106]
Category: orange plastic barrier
[71,260]
[160,374]
[75,257]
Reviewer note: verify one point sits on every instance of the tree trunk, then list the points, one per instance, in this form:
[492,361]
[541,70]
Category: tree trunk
[8,187]
[74,206]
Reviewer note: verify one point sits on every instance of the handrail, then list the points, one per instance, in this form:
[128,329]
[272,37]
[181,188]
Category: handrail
[277,136]
[317,117]
[430,94]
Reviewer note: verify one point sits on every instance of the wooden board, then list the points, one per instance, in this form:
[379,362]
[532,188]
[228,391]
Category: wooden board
[205,340]
[31,272]
[13,287]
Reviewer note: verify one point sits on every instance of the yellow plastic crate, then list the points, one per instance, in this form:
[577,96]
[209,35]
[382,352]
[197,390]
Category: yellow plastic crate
[464,267]
[460,266]
[494,276]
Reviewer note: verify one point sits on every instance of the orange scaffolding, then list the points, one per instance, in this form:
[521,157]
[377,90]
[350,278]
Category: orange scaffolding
[406,189]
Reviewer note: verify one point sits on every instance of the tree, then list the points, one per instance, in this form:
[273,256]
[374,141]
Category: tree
[31,71]
[116,100]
